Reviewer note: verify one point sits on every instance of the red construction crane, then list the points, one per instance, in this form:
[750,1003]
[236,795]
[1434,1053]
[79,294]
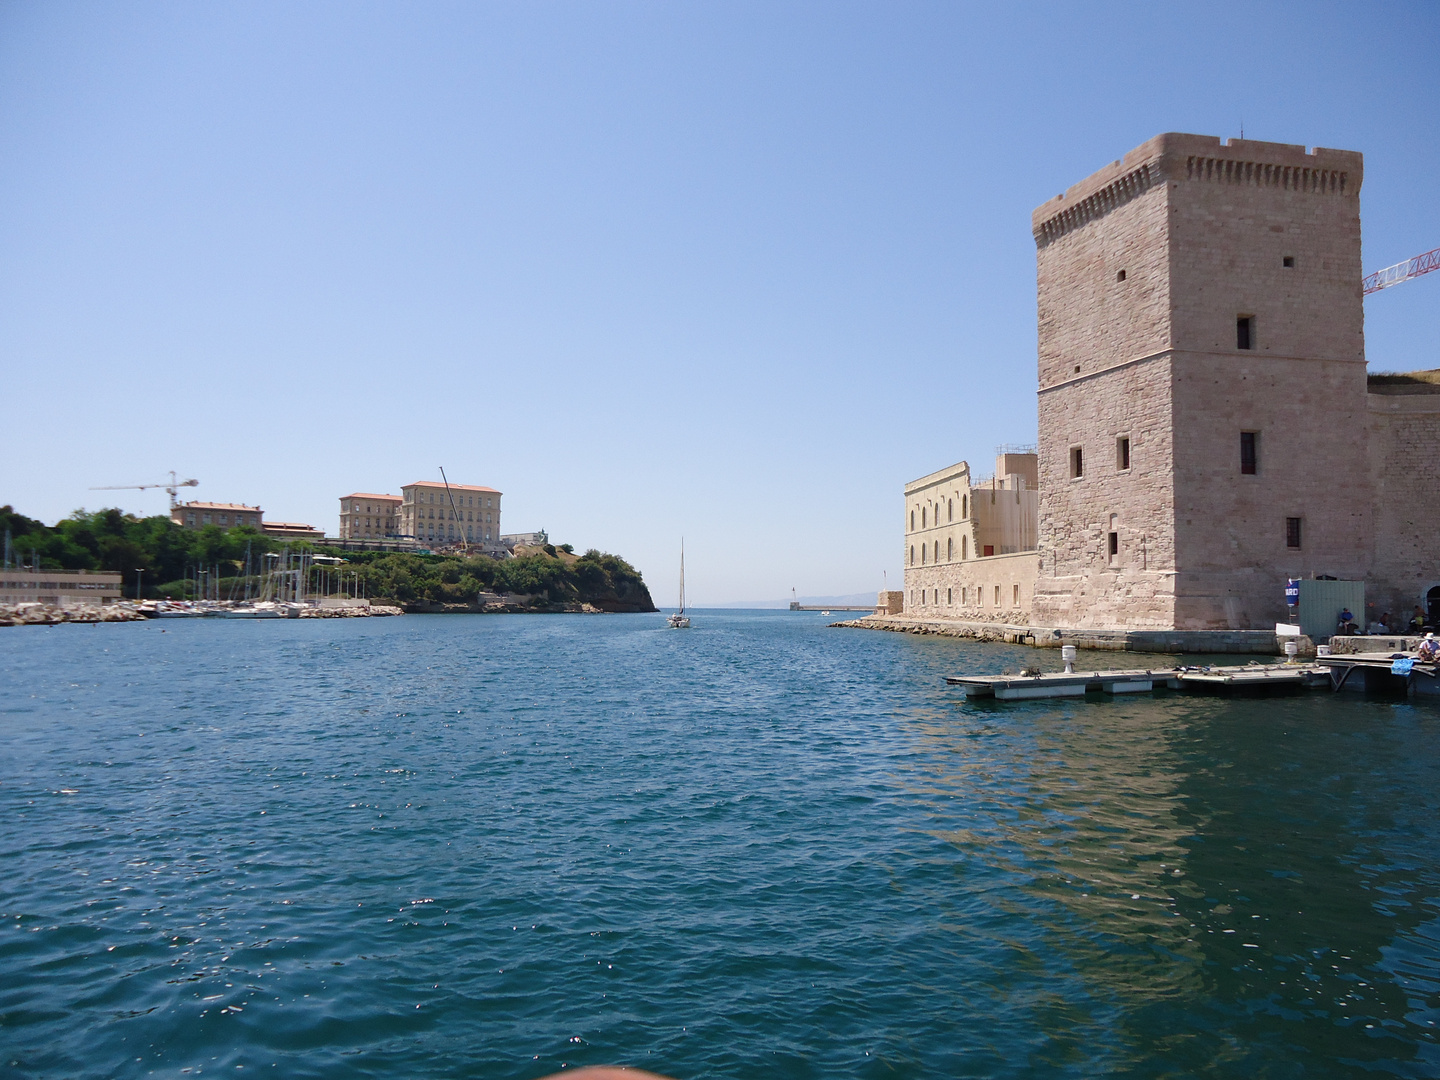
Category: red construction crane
[1394,275]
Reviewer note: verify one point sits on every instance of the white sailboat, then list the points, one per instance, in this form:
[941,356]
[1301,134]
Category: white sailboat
[679,620]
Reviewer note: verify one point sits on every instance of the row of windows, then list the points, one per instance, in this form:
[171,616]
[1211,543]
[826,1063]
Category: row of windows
[1249,455]
[1287,261]
[451,533]
[438,497]
[967,597]
[925,550]
[1293,533]
[468,515]
[948,505]
[224,519]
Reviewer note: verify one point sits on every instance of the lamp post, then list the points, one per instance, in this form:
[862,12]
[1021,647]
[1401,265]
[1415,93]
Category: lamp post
[139,584]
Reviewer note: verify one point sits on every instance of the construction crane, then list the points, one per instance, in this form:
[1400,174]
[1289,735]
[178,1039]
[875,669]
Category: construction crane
[1401,272]
[173,487]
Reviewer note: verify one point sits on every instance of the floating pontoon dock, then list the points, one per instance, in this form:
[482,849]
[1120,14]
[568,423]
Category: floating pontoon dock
[1400,674]
[1252,678]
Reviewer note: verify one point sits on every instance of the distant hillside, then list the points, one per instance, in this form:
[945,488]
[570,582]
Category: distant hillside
[550,575]
[113,540]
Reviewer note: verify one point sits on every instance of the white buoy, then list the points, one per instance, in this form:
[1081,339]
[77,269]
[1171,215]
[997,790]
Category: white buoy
[1067,653]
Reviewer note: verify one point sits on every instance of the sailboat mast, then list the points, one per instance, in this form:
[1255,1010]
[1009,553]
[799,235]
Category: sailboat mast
[682,575]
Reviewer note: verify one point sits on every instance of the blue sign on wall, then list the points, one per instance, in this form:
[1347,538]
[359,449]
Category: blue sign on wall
[1292,592]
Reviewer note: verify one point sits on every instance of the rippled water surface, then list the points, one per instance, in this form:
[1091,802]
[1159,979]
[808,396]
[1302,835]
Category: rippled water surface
[471,846]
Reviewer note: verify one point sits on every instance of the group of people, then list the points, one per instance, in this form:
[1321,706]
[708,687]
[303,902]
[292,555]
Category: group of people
[1386,624]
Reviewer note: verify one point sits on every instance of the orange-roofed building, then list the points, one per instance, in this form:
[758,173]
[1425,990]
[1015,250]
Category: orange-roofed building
[366,516]
[431,514]
[196,515]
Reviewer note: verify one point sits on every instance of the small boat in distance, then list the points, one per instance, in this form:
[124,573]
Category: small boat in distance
[679,620]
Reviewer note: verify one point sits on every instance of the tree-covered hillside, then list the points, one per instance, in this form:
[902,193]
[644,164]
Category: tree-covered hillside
[112,540]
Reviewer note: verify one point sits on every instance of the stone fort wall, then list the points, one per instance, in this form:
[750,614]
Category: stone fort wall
[1404,452]
[998,589]
[1150,516]
[1142,273]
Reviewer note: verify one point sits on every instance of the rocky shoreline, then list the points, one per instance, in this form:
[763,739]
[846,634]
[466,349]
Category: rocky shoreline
[34,614]
[1253,642]
[350,612]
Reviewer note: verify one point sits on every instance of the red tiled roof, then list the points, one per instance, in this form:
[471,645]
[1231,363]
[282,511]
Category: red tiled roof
[453,487]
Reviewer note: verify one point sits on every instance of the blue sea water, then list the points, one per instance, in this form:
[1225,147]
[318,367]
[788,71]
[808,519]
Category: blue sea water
[493,846]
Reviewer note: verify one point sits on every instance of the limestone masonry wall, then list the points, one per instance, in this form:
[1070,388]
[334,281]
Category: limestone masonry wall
[1144,272]
[998,589]
[1404,444]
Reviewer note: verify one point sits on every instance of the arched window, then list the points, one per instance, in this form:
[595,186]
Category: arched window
[923,512]
[951,510]
[964,547]
[924,551]
[949,549]
[964,507]
[937,550]
[912,554]
[912,520]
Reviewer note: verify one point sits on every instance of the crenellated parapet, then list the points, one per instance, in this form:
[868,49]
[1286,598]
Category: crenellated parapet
[1177,157]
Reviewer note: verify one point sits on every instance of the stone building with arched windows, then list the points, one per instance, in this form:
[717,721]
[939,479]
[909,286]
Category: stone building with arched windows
[970,542]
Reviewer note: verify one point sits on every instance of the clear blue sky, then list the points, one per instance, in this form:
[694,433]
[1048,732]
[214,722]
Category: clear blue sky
[735,271]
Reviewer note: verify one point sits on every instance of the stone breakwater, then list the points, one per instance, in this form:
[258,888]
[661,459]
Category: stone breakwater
[973,631]
[1256,642]
[35,614]
[350,612]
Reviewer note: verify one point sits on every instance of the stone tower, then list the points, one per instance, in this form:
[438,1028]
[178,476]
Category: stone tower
[1202,390]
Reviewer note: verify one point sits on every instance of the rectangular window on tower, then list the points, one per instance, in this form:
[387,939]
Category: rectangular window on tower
[1245,332]
[1077,463]
[1249,457]
[1122,453]
[1292,532]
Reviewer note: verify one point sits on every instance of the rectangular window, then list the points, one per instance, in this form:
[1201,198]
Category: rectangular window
[1245,332]
[1077,462]
[1248,456]
[1289,262]
[1292,532]
[1114,544]
[997,595]
[1122,453]
[949,596]
[989,549]
[1015,595]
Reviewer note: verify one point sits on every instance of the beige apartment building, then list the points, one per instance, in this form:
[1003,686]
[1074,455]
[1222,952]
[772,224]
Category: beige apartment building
[61,588]
[369,517]
[196,515]
[431,514]
[1207,428]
